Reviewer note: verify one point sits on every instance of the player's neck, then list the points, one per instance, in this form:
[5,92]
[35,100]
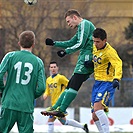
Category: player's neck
[27,49]
[54,75]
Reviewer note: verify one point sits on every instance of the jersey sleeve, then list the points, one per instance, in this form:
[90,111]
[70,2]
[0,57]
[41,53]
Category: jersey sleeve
[4,68]
[66,44]
[41,85]
[64,81]
[116,62]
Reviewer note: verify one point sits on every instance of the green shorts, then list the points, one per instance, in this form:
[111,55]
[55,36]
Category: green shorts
[23,120]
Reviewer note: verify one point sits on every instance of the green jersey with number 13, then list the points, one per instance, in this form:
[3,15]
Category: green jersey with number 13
[25,80]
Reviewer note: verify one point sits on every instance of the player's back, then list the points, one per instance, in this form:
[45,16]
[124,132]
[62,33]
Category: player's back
[22,68]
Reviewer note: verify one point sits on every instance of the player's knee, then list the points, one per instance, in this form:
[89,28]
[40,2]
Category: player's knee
[51,119]
[94,117]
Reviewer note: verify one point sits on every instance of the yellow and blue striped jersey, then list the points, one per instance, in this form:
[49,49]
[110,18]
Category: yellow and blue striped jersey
[107,64]
[55,86]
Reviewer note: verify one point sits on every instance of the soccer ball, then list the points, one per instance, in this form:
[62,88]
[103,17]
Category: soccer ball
[30,2]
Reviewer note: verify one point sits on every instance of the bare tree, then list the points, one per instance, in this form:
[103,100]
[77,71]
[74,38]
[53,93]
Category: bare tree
[17,16]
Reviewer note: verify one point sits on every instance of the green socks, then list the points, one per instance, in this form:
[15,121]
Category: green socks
[68,98]
[60,99]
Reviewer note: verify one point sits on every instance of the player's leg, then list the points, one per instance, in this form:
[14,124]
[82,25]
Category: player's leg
[75,83]
[103,119]
[69,97]
[60,99]
[95,118]
[103,92]
[58,102]
[51,124]
[73,123]
[7,120]
[99,127]
[97,122]
[60,113]
[106,99]
[25,122]
[55,106]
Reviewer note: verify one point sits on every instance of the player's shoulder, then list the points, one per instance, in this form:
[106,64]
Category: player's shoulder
[109,47]
[10,54]
[87,22]
[110,51]
[39,60]
[48,78]
[63,77]
[60,75]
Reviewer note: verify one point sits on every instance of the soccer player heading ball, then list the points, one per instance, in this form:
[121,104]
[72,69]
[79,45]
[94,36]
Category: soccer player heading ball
[82,41]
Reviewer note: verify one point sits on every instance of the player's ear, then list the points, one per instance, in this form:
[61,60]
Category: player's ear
[104,41]
[33,45]
[74,17]
[57,68]
[19,43]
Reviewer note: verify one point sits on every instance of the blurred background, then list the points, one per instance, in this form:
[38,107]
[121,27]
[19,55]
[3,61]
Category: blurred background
[46,19]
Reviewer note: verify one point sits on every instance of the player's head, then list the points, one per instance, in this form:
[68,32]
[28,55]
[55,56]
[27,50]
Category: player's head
[27,39]
[100,33]
[53,67]
[99,38]
[72,12]
[73,18]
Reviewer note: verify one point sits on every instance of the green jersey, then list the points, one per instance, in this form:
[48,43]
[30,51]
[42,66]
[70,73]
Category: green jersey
[25,80]
[82,41]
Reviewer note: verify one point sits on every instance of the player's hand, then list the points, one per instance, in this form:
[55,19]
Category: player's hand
[116,84]
[61,53]
[49,42]
[89,64]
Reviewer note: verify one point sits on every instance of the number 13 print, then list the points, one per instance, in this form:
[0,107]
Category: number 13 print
[18,67]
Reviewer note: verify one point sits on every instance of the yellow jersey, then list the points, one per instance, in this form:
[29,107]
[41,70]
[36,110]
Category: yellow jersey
[107,64]
[55,86]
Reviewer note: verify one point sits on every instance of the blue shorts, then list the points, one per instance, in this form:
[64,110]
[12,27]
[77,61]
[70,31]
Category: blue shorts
[102,91]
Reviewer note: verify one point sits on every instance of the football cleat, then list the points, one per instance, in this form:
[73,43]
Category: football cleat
[57,113]
[46,112]
[49,109]
[86,128]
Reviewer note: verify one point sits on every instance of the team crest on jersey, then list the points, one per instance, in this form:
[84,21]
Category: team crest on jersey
[99,94]
[97,59]
[100,54]
[52,85]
